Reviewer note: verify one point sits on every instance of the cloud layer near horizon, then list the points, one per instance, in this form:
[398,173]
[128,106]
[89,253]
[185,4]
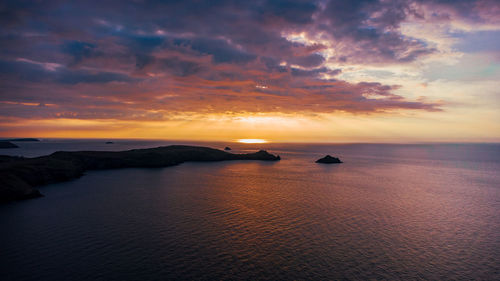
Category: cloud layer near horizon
[156,60]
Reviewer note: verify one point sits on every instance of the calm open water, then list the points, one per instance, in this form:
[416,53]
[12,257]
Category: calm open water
[389,212]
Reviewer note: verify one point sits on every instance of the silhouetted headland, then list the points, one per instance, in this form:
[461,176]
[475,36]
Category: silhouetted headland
[7,144]
[19,176]
[24,139]
[329,160]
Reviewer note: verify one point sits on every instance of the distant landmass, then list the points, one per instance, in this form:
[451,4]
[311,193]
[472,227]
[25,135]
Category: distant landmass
[329,160]
[7,144]
[19,175]
[24,139]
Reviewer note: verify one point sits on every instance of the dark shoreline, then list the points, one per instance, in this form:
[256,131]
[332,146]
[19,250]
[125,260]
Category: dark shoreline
[7,145]
[19,176]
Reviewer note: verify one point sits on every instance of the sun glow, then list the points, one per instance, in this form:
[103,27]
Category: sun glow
[252,141]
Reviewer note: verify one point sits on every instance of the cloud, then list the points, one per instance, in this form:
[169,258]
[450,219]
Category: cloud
[79,50]
[312,60]
[163,57]
[296,12]
[220,50]
[314,72]
[24,70]
[75,77]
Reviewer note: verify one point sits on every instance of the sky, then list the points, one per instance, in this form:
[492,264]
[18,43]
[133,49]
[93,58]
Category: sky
[284,71]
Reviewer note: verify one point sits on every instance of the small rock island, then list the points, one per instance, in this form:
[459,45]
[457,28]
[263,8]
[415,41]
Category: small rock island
[329,160]
[19,176]
[227,148]
[7,144]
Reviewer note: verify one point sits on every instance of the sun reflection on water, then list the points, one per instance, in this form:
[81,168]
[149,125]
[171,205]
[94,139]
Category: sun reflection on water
[252,141]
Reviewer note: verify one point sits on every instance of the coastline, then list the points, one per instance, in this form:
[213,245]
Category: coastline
[19,176]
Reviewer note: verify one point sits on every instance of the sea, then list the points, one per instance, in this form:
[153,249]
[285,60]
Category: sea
[389,212]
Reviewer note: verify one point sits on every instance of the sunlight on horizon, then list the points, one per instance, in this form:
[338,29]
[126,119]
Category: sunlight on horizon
[252,141]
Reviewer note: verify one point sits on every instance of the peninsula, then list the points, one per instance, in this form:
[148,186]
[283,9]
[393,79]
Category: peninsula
[24,139]
[19,176]
[7,144]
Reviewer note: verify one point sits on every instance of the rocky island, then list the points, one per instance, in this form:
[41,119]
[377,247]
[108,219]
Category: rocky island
[19,176]
[7,144]
[329,160]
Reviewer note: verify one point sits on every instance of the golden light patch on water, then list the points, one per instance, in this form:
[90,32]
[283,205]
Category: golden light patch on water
[252,141]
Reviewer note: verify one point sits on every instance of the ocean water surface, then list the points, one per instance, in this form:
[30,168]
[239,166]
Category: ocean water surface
[407,212]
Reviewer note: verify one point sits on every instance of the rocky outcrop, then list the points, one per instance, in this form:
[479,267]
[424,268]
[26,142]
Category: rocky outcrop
[19,176]
[7,144]
[227,148]
[329,160]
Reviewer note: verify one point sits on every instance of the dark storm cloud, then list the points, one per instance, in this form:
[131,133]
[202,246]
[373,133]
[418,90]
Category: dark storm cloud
[165,55]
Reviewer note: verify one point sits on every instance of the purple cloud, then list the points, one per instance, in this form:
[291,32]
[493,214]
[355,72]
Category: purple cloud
[171,56]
